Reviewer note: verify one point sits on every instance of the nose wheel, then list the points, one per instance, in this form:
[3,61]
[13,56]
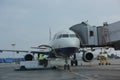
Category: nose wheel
[66,67]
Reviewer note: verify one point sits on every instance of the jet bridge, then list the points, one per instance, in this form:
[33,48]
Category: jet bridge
[98,36]
[87,33]
[114,31]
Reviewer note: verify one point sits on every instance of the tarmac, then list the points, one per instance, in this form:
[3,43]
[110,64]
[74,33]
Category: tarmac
[84,71]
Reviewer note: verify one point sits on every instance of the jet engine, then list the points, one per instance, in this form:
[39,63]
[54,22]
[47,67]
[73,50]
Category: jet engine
[87,56]
[28,57]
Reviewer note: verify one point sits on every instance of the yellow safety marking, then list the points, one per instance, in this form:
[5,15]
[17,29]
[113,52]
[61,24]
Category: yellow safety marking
[78,74]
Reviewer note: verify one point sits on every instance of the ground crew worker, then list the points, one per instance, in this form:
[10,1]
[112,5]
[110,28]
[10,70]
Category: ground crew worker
[41,57]
[43,60]
[106,58]
[103,58]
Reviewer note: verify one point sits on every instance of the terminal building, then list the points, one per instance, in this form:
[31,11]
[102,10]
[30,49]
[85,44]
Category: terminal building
[105,35]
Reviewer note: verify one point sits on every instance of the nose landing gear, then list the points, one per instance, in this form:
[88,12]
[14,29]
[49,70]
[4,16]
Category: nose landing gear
[66,65]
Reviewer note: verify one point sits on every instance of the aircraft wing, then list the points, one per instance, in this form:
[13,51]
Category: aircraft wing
[17,51]
[42,50]
[39,52]
[26,51]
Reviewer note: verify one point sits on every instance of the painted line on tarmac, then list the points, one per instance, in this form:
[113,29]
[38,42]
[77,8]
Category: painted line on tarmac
[78,74]
[82,75]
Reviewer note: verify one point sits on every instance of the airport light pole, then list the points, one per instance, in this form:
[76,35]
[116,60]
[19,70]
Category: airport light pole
[13,45]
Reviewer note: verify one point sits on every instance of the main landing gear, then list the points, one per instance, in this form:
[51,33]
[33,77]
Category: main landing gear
[74,61]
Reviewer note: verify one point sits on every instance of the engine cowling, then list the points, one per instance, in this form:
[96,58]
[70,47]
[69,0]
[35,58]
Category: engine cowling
[87,56]
[28,57]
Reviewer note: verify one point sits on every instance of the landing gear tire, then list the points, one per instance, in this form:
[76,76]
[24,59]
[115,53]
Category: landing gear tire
[71,62]
[66,67]
[74,62]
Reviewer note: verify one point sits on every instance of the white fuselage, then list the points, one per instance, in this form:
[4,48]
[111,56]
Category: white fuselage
[65,43]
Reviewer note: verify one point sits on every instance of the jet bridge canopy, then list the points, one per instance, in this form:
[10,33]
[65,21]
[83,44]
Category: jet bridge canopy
[81,31]
[87,34]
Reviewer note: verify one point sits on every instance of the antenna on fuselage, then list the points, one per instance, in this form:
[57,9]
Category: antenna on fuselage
[49,33]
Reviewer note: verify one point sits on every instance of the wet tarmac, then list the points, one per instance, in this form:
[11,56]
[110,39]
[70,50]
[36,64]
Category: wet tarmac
[85,71]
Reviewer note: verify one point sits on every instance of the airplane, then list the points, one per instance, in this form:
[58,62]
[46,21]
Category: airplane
[64,44]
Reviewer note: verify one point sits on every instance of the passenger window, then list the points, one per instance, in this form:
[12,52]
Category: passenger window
[60,36]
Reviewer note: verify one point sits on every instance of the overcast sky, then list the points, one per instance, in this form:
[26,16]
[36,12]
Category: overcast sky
[26,23]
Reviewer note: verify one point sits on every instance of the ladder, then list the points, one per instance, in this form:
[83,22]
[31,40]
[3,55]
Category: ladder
[105,34]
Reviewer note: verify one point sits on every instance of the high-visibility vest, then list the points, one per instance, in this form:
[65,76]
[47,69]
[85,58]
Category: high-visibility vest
[41,58]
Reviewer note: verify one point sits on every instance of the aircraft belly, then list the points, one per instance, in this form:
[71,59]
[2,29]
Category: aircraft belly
[66,52]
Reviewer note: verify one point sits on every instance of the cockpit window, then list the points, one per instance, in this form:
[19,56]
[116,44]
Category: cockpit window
[72,35]
[59,36]
[65,35]
[54,37]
